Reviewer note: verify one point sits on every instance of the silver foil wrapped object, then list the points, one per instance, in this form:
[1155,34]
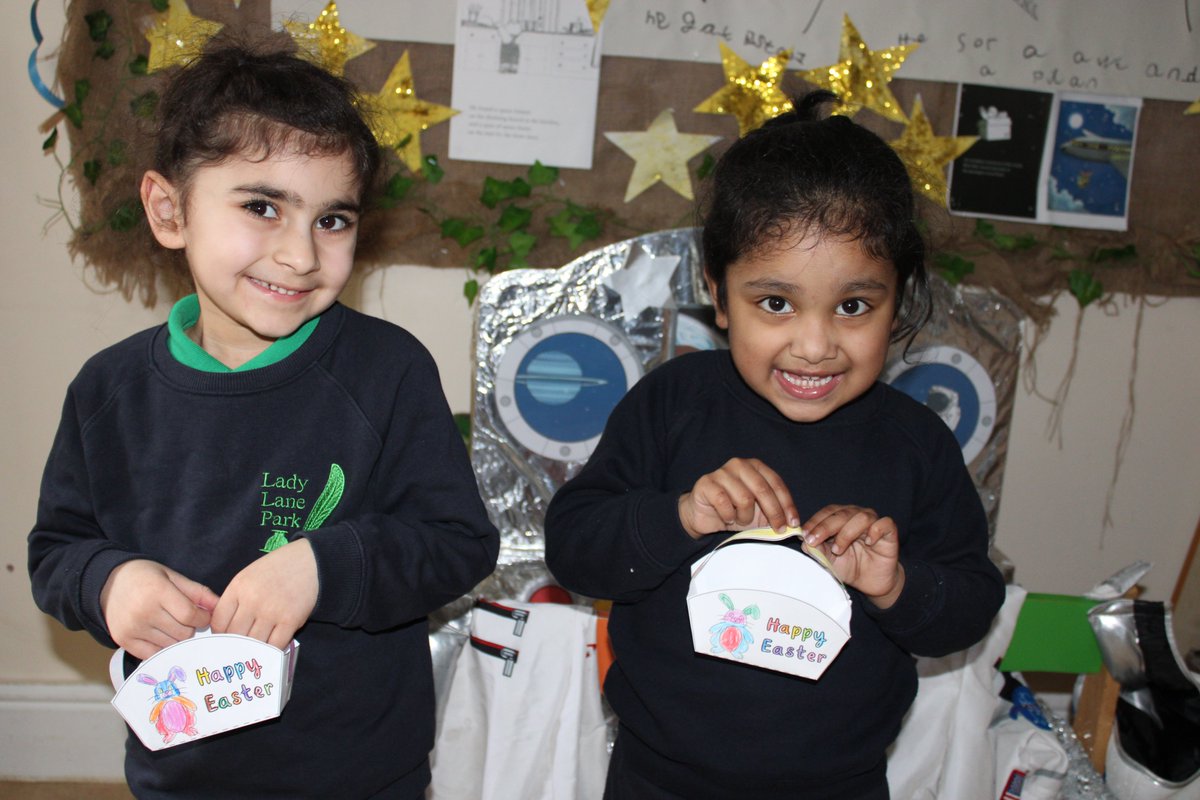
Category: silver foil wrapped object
[965,360]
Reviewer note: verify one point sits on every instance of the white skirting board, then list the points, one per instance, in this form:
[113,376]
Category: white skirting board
[51,732]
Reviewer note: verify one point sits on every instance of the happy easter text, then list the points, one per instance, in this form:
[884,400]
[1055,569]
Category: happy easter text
[228,674]
[798,651]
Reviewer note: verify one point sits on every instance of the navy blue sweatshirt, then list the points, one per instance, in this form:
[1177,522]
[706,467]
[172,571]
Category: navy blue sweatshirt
[710,728]
[200,471]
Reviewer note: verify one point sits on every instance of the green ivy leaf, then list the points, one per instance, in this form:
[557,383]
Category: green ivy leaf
[91,171]
[117,152]
[431,169]
[460,231]
[397,187]
[520,187]
[514,218]
[51,140]
[74,113]
[485,259]
[144,104]
[83,87]
[576,224]
[1061,253]
[105,51]
[160,5]
[1084,286]
[493,192]
[1006,242]
[470,291]
[566,225]
[541,175]
[1126,253]
[953,267]
[706,166]
[125,217]
[139,65]
[496,192]
[561,224]
[589,226]
[521,243]
[98,23]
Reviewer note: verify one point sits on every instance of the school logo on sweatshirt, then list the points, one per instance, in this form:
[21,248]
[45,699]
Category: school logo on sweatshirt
[284,504]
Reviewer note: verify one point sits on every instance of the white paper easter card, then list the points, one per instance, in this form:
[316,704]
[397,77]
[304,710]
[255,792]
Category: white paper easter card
[202,686]
[768,606]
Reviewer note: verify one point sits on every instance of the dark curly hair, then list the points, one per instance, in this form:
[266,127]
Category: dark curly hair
[238,101]
[800,174]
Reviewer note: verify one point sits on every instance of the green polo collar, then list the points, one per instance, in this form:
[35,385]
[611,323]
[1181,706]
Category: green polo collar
[186,313]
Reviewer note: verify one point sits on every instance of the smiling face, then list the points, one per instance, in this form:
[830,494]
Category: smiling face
[269,243]
[809,323]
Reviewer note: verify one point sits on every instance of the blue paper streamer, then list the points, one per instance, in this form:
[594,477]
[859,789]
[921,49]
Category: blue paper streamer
[34,77]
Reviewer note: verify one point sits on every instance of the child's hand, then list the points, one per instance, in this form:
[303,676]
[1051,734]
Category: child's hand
[744,493]
[863,547]
[272,597]
[147,606]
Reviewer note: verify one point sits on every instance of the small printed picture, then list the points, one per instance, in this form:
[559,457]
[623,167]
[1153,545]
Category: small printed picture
[1001,175]
[1088,182]
[526,82]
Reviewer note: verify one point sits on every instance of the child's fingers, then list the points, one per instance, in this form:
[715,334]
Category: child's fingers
[838,526]
[856,527]
[772,496]
[281,636]
[199,594]
[757,493]
[883,533]
[722,502]
[141,648]
[168,625]
[183,605]
[223,614]
[261,629]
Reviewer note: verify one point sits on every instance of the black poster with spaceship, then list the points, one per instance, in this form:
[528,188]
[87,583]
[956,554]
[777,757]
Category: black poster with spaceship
[1057,159]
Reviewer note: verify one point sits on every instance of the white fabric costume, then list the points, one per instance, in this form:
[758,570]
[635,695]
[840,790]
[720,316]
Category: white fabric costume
[523,719]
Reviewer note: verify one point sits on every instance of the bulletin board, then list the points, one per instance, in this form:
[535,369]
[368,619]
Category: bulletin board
[1089,46]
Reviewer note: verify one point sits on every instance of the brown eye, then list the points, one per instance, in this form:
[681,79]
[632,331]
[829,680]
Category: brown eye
[261,208]
[333,222]
[853,308]
[775,305]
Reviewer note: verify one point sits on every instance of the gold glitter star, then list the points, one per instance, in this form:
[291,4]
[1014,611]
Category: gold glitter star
[402,115]
[860,77]
[1194,108]
[596,11]
[325,42]
[660,153]
[752,95]
[177,37]
[926,155]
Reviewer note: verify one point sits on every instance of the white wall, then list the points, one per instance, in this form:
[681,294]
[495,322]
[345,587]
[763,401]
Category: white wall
[1052,504]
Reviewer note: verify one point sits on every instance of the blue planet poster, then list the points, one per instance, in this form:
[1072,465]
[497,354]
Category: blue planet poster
[567,384]
[559,379]
[1088,183]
